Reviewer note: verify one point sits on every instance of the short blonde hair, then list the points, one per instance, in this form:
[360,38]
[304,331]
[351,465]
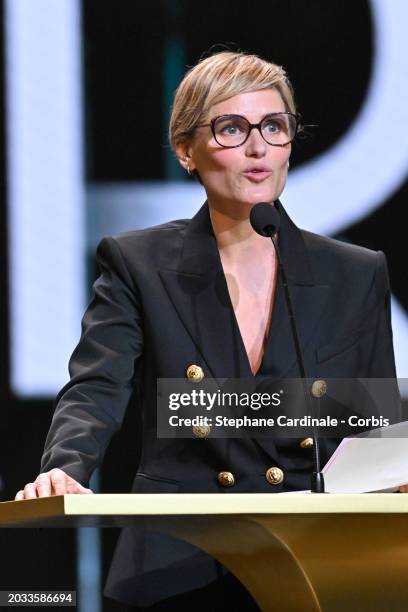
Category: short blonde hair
[217,78]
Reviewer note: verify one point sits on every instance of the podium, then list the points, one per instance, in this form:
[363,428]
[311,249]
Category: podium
[296,552]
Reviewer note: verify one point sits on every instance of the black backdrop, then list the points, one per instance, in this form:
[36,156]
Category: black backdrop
[326,47]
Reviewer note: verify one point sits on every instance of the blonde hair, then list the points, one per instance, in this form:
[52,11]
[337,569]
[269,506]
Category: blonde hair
[218,78]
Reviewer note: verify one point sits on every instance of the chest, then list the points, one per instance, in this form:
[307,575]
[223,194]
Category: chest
[252,289]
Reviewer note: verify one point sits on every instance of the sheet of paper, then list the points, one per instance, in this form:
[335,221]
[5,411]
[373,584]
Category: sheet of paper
[372,462]
[369,463]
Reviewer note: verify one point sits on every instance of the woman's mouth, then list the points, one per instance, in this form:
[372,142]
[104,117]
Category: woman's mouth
[257,176]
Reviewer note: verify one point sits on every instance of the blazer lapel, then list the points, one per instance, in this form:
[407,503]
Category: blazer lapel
[198,290]
[308,300]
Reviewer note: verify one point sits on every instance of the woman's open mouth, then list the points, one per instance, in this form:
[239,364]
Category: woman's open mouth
[257,176]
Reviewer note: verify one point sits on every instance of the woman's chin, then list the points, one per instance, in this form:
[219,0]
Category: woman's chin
[261,196]
[260,193]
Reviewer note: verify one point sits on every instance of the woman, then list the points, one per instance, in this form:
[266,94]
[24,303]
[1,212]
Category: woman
[202,297]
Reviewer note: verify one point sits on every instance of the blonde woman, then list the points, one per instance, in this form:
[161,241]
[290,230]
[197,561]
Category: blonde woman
[202,297]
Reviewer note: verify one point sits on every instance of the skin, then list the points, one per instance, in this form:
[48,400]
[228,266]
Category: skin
[230,194]
[54,482]
[248,259]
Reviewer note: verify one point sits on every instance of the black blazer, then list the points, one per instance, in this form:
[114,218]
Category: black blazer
[161,304]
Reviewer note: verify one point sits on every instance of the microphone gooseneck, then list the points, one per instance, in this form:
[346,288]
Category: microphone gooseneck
[265,221]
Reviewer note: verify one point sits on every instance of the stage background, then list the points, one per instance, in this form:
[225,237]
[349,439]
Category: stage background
[86,90]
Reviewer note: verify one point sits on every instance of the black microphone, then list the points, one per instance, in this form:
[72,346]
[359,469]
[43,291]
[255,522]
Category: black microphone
[265,220]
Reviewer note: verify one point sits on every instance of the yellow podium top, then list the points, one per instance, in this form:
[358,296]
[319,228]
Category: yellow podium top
[97,506]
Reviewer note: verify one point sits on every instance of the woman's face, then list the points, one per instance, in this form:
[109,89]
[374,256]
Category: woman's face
[237,178]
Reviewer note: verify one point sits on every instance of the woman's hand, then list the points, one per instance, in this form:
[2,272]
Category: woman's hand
[54,482]
[403,488]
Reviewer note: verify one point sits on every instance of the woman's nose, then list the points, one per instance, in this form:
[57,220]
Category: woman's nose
[255,145]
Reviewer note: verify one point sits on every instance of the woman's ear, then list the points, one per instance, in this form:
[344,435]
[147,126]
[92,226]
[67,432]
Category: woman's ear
[183,154]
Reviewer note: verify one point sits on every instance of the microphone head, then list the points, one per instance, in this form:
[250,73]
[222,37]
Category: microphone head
[265,219]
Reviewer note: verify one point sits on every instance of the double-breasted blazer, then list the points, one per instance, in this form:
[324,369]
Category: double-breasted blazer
[160,304]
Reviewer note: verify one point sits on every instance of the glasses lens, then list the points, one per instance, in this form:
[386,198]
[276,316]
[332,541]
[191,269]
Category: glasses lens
[231,130]
[279,128]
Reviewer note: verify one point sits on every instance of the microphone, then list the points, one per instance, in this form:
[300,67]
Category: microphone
[265,220]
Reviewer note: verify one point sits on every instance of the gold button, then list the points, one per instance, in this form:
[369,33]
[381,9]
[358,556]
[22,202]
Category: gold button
[319,388]
[274,475]
[226,479]
[194,373]
[201,431]
[306,443]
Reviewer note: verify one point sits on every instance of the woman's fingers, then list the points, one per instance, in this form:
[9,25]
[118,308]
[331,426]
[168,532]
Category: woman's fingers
[75,487]
[43,484]
[30,491]
[58,481]
[54,482]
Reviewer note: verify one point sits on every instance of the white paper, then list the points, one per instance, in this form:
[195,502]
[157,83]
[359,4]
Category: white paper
[376,461]
[373,462]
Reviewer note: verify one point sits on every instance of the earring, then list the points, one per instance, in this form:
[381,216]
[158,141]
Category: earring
[186,159]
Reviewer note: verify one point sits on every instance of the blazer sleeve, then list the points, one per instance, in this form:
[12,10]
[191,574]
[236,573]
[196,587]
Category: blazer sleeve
[91,406]
[382,362]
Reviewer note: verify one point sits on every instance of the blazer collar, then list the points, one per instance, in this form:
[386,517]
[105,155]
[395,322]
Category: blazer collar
[199,292]
[200,253]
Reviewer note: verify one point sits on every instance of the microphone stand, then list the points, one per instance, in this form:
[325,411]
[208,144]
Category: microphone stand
[317,481]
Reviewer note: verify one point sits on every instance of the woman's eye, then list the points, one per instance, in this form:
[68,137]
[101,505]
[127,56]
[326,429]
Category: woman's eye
[231,129]
[272,126]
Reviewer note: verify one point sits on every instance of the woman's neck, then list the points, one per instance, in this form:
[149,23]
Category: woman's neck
[235,235]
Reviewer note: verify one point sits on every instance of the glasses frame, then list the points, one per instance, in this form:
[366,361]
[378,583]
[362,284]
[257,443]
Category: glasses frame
[251,127]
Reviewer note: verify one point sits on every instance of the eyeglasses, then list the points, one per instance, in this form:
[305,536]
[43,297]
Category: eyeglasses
[277,129]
